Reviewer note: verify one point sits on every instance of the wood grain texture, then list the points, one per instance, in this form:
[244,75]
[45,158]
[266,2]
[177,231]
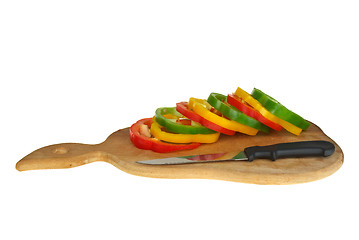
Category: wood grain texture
[118,150]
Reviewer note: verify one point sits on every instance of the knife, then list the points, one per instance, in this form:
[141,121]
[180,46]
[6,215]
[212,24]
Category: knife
[271,152]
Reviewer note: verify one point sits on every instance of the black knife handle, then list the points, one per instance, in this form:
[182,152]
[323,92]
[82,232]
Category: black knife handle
[290,150]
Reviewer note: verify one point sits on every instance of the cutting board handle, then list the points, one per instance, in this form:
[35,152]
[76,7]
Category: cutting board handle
[65,155]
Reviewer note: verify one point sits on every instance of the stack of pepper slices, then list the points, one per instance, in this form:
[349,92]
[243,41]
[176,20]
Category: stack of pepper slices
[198,121]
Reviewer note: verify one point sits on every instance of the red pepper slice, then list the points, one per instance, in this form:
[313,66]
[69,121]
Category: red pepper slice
[182,107]
[239,103]
[143,142]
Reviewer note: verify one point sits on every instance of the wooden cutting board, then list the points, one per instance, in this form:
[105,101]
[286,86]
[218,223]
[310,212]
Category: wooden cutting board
[118,150]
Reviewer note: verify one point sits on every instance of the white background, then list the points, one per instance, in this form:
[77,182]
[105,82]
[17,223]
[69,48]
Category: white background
[76,71]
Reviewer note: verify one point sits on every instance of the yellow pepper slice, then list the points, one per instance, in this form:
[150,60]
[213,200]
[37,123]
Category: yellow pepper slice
[259,107]
[171,116]
[158,133]
[202,108]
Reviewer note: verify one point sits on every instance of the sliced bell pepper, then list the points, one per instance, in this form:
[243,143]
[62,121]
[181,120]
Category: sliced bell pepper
[144,142]
[203,108]
[182,107]
[218,101]
[279,110]
[242,106]
[258,106]
[174,126]
[160,134]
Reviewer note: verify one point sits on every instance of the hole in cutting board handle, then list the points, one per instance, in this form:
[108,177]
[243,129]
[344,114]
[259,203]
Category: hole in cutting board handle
[60,150]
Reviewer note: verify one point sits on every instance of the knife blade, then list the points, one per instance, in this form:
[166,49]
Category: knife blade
[271,152]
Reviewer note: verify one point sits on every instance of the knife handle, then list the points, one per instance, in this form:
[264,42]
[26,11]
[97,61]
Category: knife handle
[290,150]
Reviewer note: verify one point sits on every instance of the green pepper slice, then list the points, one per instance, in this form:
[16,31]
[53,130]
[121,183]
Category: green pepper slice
[219,102]
[173,126]
[277,109]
